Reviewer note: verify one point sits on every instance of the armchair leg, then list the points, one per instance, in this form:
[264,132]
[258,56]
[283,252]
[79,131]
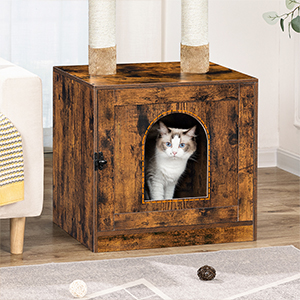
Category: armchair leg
[17,230]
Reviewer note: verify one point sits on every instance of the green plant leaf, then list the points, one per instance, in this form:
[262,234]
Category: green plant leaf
[296,24]
[282,24]
[289,27]
[290,4]
[271,17]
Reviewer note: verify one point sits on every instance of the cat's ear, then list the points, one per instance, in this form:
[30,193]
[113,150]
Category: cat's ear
[191,132]
[163,129]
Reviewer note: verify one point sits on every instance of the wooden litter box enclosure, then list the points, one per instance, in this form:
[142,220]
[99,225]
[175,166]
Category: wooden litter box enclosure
[101,132]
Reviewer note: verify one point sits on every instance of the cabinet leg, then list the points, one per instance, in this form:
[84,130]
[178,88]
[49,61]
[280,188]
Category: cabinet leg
[17,230]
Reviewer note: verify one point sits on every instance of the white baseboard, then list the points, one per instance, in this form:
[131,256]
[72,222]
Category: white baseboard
[48,138]
[267,158]
[273,157]
[288,161]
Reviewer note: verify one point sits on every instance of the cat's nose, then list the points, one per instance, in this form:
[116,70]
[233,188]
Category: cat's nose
[174,153]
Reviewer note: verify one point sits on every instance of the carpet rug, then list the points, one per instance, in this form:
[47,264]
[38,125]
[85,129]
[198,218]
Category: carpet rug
[261,273]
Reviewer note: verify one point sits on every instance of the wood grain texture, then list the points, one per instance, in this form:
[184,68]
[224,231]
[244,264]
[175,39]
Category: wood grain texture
[154,74]
[115,115]
[185,217]
[176,238]
[73,148]
[105,144]
[199,92]
[247,152]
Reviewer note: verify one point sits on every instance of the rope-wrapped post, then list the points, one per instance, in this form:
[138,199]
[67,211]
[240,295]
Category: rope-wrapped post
[194,54]
[102,37]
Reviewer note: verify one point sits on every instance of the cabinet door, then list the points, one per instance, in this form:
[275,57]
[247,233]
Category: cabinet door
[217,108]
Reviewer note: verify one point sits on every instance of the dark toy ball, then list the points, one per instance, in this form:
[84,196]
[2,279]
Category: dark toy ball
[206,273]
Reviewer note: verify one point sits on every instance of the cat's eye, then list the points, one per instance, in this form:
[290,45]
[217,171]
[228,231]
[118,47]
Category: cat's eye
[168,144]
[181,145]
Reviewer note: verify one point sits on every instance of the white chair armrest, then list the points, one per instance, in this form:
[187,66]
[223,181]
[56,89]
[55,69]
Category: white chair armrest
[21,102]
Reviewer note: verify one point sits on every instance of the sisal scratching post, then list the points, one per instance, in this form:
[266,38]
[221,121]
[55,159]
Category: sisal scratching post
[194,52]
[102,37]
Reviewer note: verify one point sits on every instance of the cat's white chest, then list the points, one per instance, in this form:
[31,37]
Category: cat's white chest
[171,169]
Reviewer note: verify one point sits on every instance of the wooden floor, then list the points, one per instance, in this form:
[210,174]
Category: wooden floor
[278,224]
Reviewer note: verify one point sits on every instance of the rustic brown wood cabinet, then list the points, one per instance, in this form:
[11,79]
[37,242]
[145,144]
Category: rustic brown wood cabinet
[100,200]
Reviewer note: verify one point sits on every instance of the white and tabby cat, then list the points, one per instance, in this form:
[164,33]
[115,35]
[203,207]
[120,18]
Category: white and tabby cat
[173,148]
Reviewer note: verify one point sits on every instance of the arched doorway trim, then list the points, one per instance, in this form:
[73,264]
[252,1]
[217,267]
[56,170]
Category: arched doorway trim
[205,130]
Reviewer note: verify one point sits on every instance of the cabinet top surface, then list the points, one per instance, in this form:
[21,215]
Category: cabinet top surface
[154,74]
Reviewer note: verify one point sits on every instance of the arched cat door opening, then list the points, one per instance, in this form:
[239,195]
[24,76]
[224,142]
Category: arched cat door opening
[194,183]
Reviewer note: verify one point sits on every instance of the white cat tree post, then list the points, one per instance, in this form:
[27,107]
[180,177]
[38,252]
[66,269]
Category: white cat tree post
[102,37]
[194,54]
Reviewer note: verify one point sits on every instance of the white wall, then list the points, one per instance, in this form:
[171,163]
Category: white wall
[289,103]
[38,34]
[138,31]
[240,39]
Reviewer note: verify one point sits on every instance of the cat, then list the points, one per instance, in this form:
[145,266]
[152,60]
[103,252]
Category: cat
[173,148]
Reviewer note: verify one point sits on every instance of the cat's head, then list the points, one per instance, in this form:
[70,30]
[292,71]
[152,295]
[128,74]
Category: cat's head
[176,143]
